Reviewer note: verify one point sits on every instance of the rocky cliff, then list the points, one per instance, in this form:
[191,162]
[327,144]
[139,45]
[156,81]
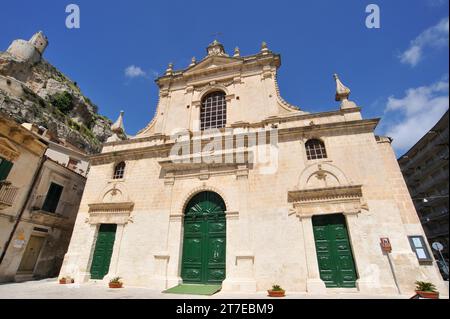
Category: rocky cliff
[39,93]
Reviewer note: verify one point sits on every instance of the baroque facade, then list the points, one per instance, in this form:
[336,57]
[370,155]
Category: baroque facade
[41,183]
[230,184]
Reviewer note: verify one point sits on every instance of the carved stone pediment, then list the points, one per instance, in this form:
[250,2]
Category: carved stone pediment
[330,200]
[214,63]
[113,207]
[110,213]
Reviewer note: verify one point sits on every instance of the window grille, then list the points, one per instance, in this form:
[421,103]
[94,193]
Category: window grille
[213,113]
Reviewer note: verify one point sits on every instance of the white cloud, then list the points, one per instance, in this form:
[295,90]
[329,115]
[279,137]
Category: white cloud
[133,71]
[419,110]
[433,37]
[437,3]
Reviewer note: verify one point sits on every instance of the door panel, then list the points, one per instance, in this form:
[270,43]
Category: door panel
[31,254]
[103,251]
[204,245]
[335,258]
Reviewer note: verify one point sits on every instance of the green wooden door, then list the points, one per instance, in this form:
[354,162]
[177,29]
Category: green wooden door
[334,253]
[204,240]
[103,251]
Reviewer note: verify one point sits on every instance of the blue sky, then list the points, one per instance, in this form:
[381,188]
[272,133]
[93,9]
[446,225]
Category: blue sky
[398,72]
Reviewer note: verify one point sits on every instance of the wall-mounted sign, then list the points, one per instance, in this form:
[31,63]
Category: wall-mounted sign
[420,248]
[385,244]
[18,244]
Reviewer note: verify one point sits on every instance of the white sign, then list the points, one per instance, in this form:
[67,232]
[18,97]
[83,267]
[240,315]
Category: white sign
[437,246]
[18,243]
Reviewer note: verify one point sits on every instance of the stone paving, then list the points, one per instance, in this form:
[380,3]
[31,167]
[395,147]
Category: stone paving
[50,289]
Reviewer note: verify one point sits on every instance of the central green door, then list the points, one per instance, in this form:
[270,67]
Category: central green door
[334,253]
[103,250]
[204,240]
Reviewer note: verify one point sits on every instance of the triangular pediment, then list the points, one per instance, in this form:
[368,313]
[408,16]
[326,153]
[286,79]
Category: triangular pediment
[213,62]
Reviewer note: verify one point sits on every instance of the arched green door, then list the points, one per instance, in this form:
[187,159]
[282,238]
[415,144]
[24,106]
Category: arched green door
[204,240]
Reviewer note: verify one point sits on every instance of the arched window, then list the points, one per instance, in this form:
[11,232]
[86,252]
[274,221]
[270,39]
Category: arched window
[315,149]
[119,170]
[213,113]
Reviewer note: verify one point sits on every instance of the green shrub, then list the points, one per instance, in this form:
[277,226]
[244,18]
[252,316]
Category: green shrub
[277,288]
[62,101]
[425,286]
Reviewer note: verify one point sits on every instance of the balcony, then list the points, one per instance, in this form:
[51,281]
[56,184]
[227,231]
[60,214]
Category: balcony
[59,218]
[7,194]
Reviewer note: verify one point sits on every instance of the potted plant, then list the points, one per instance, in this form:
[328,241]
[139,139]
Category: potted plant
[66,280]
[276,291]
[115,283]
[426,290]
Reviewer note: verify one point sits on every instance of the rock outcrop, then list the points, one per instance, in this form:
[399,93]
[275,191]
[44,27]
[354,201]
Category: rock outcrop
[36,92]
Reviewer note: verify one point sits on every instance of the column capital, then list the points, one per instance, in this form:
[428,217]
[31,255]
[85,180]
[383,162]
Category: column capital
[176,217]
[232,215]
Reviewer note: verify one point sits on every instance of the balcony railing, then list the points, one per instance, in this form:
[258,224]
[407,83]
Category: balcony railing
[62,209]
[7,194]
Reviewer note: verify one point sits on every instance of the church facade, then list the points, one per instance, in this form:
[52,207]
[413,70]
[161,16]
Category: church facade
[230,184]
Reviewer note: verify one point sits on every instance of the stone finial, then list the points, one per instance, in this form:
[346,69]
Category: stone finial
[342,94]
[264,48]
[118,124]
[237,52]
[215,48]
[118,130]
[193,61]
[169,70]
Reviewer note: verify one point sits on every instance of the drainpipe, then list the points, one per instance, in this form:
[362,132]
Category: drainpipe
[35,179]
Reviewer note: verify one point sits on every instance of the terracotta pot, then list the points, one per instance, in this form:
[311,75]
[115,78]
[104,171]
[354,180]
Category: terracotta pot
[280,293]
[428,294]
[115,285]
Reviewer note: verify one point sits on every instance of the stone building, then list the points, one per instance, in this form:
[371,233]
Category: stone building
[41,183]
[229,184]
[31,50]
[425,168]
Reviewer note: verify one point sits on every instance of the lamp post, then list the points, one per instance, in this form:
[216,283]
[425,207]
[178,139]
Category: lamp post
[439,247]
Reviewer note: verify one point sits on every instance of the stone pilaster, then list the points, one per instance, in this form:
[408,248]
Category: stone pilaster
[313,282]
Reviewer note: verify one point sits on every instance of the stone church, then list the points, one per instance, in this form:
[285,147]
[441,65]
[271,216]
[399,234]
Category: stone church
[230,184]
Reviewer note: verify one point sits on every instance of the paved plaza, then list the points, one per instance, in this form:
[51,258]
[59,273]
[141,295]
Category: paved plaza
[50,289]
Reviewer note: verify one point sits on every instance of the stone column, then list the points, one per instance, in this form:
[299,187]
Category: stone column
[313,282]
[114,263]
[368,274]
[77,261]
[173,250]
[239,263]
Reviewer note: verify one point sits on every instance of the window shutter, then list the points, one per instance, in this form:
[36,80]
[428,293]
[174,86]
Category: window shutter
[5,168]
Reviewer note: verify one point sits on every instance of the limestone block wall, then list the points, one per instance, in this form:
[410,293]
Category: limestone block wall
[25,51]
[267,242]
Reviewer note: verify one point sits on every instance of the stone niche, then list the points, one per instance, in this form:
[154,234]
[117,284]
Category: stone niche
[324,189]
